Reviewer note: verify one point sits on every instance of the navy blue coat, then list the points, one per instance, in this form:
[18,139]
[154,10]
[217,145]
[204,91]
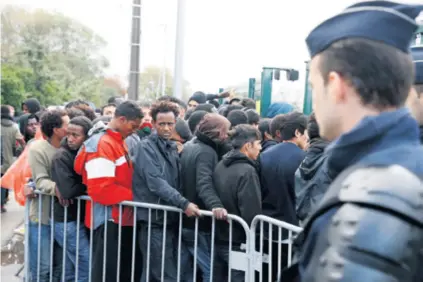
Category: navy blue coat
[387,139]
[277,177]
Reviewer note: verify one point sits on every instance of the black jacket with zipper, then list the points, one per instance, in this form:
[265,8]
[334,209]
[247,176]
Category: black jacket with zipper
[198,161]
[156,178]
[237,183]
[68,182]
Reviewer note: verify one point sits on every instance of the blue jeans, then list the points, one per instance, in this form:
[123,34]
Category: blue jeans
[156,245]
[203,252]
[45,252]
[72,233]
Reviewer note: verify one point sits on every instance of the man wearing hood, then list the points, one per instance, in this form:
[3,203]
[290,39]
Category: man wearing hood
[198,161]
[237,183]
[31,106]
[311,178]
[196,99]
[415,99]
[9,135]
[28,124]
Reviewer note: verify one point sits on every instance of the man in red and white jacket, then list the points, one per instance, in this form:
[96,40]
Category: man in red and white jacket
[106,170]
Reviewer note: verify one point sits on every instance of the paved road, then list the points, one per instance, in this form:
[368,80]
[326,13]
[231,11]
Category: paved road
[12,247]
[10,220]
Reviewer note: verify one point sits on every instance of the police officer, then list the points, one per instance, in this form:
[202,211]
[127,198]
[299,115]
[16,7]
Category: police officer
[369,226]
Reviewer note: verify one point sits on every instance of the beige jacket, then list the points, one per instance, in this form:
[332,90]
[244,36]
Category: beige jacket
[40,156]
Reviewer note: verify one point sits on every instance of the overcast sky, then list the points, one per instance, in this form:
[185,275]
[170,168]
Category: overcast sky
[226,41]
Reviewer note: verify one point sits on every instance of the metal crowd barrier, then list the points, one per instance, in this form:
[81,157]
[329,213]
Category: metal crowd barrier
[247,260]
[268,240]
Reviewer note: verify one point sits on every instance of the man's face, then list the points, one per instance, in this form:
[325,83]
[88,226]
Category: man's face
[192,104]
[12,111]
[25,109]
[75,136]
[415,104]
[301,139]
[147,116]
[165,124]
[253,149]
[62,131]
[127,127]
[109,111]
[327,100]
[32,126]
[181,112]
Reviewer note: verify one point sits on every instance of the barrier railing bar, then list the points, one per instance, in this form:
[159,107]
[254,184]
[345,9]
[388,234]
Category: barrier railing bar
[134,242]
[78,226]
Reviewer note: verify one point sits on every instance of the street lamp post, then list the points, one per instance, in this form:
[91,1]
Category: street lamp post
[134,64]
[179,50]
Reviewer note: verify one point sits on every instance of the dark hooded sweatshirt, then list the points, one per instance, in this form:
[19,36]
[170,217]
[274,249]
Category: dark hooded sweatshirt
[311,178]
[237,184]
[33,105]
[68,182]
[198,161]
[23,123]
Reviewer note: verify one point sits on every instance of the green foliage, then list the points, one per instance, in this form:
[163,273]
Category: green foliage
[12,86]
[50,57]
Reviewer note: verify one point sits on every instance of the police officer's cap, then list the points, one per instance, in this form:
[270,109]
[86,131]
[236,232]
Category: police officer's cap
[383,21]
[417,54]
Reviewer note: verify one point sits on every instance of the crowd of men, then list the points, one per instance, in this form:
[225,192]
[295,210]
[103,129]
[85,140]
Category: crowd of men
[168,153]
[349,173]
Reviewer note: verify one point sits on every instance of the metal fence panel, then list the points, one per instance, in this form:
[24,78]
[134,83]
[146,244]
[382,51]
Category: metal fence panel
[262,251]
[238,259]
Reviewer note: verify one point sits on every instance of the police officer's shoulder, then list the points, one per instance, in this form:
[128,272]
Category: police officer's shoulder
[354,22]
[392,188]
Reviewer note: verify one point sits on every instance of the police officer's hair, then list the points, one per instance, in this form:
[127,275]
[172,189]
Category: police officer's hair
[264,126]
[287,124]
[243,134]
[381,74]
[83,122]
[163,107]
[129,110]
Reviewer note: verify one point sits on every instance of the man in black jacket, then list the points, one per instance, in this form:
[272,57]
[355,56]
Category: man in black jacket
[156,180]
[312,177]
[68,186]
[198,160]
[237,183]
